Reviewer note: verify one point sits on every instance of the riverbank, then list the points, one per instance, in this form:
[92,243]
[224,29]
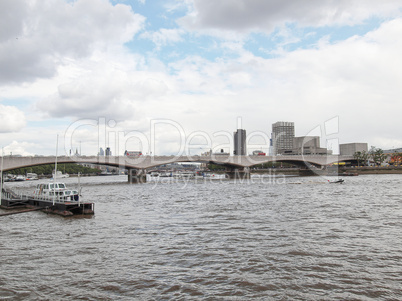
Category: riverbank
[369,170]
[364,170]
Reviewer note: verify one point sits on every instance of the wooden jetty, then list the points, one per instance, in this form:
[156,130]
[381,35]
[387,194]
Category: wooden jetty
[10,200]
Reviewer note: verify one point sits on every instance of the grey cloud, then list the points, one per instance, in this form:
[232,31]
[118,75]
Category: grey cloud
[265,15]
[24,63]
[36,36]
[10,22]
[82,101]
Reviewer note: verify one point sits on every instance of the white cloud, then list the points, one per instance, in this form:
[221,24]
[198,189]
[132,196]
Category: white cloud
[355,79]
[11,119]
[43,32]
[19,148]
[108,85]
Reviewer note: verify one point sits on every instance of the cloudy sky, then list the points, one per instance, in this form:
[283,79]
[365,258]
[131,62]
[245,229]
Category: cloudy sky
[157,75]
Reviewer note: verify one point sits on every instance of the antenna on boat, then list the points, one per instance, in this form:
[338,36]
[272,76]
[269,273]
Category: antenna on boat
[55,171]
[79,190]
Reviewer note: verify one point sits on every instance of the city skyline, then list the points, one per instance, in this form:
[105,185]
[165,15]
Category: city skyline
[200,66]
[281,142]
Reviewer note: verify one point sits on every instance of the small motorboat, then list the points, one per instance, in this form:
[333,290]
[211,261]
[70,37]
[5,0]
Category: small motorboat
[340,181]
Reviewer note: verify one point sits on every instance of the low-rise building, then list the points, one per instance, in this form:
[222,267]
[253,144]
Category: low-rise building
[349,149]
[308,145]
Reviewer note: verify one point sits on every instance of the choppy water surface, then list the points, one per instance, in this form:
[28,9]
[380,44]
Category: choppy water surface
[299,239]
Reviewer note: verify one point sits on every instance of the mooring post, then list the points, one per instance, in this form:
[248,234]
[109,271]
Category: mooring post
[238,173]
[137,176]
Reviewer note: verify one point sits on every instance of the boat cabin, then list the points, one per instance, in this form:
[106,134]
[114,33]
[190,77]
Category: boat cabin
[56,189]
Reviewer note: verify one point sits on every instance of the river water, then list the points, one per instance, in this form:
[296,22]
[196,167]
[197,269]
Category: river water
[266,239]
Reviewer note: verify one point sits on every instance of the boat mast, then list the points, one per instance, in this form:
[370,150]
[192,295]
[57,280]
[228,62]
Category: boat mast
[1,175]
[79,190]
[55,171]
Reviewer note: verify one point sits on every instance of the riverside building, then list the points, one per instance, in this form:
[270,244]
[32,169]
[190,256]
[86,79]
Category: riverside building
[240,143]
[282,137]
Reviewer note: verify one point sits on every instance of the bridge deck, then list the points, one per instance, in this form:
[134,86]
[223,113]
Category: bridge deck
[144,162]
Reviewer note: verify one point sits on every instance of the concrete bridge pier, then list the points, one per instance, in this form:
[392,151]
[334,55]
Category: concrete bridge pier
[137,176]
[304,172]
[238,173]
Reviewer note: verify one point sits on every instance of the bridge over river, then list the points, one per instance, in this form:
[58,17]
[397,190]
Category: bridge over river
[237,166]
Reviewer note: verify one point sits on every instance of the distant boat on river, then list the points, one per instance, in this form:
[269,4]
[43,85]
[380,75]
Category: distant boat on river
[60,175]
[31,176]
[340,181]
[19,178]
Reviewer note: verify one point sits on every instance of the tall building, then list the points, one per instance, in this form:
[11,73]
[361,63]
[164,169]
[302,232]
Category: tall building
[240,143]
[108,152]
[282,137]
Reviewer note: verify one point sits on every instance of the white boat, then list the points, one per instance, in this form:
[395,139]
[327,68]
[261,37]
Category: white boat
[56,190]
[31,176]
[60,175]
[165,174]
[8,178]
[105,173]
[184,175]
[20,178]
[340,181]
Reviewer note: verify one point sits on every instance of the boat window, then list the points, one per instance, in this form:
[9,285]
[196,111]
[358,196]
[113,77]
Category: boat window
[46,186]
[51,186]
[62,186]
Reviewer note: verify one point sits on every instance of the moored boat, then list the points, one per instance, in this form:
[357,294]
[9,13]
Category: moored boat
[60,175]
[184,175]
[58,191]
[53,198]
[31,176]
[20,178]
